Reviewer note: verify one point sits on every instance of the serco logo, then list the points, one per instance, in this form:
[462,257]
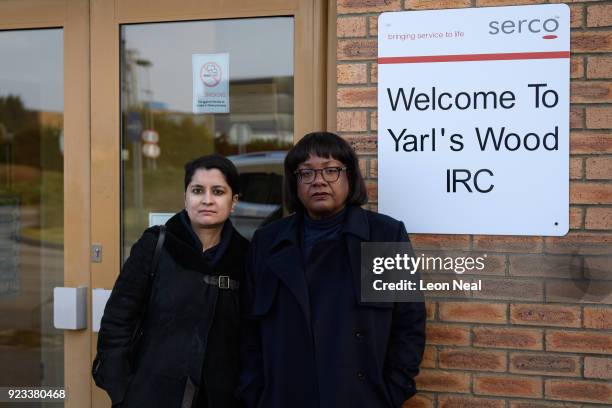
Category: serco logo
[534,26]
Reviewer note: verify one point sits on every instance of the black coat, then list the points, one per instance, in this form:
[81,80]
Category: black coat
[377,347]
[191,328]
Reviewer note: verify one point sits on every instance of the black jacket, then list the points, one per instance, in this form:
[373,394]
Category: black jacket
[376,348]
[191,327]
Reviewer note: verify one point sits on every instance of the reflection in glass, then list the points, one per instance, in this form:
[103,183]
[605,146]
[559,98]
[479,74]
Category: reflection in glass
[31,207]
[157,94]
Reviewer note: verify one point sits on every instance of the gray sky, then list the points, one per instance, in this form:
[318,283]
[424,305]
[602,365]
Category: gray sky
[31,61]
[32,66]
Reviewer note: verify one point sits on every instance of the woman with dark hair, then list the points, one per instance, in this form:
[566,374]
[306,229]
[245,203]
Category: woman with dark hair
[170,336]
[309,339]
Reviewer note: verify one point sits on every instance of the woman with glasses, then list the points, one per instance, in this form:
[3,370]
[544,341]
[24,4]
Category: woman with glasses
[309,339]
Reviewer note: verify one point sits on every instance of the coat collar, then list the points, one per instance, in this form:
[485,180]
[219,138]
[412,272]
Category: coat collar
[356,223]
[184,246]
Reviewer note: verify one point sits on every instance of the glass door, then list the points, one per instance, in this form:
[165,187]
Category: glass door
[176,80]
[31,205]
[199,87]
[43,138]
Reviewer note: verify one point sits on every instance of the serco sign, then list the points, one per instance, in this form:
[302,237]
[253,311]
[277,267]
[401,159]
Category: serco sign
[473,119]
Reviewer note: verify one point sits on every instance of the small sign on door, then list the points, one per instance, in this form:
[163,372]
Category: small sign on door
[210,83]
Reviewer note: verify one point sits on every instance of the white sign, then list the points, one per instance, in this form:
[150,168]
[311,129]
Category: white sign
[473,120]
[210,83]
[151,150]
[150,136]
[159,218]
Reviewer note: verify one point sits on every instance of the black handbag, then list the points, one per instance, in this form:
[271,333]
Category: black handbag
[138,330]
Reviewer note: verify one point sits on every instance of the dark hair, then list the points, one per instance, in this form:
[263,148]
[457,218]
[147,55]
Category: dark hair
[214,161]
[323,144]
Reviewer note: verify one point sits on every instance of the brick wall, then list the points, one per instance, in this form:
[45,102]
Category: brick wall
[539,334]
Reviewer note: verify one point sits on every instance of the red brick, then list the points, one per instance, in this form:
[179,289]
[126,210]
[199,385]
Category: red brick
[447,401]
[429,357]
[351,121]
[540,404]
[545,266]
[576,168]
[583,391]
[362,144]
[599,15]
[590,142]
[513,338]
[576,67]
[545,315]
[473,312]
[372,187]
[591,41]
[363,166]
[356,50]
[356,97]
[510,289]
[599,117]
[446,242]
[444,334]
[576,117]
[599,67]
[496,243]
[591,92]
[419,401]
[354,26]
[576,14]
[374,168]
[351,73]
[373,23]
[430,310]
[373,72]
[435,4]
[598,318]
[598,267]
[571,1]
[374,121]
[544,364]
[508,386]
[579,291]
[480,3]
[576,217]
[598,218]
[599,168]
[590,193]
[466,359]
[579,342]
[367,6]
[580,243]
[445,381]
[598,367]
[493,264]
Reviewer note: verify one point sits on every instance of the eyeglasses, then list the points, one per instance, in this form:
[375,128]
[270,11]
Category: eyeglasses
[329,174]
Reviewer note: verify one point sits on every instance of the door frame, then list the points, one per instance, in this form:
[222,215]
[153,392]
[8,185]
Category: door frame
[73,17]
[310,97]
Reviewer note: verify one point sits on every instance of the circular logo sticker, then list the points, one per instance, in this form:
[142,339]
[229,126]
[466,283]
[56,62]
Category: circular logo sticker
[210,74]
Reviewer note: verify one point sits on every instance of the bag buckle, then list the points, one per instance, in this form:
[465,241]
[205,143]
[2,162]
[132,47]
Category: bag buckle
[224,282]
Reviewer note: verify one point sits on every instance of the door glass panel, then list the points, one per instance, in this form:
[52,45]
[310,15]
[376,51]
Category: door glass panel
[31,207]
[164,67]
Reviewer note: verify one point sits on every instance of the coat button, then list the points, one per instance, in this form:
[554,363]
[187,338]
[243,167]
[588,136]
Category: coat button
[359,335]
[361,375]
